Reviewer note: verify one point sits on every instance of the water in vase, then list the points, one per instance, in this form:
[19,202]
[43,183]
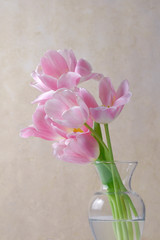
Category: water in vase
[105,229]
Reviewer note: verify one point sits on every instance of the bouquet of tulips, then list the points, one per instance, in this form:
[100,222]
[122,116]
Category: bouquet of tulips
[70,117]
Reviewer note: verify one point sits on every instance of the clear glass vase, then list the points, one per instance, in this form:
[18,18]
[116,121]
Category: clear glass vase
[116,212]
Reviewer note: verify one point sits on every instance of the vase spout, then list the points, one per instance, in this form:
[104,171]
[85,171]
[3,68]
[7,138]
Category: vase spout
[118,172]
[126,170]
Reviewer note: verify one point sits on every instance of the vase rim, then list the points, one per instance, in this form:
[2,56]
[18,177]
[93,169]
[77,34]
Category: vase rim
[117,162]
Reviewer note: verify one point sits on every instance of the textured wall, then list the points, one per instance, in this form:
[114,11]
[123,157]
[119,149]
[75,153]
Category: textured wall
[40,197]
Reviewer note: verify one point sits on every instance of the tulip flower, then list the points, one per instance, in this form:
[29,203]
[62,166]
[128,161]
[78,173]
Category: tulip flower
[112,101]
[67,108]
[83,148]
[60,69]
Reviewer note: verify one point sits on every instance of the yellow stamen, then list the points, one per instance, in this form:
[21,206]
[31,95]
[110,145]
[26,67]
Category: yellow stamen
[77,130]
[113,100]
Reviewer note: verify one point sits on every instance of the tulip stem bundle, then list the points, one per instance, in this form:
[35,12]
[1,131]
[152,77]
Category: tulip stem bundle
[121,204]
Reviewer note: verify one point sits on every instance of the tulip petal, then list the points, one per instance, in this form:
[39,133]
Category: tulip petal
[94,76]
[104,114]
[70,59]
[68,80]
[54,108]
[54,64]
[32,132]
[87,97]
[44,97]
[43,127]
[66,96]
[83,67]
[73,118]
[58,149]
[106,91]
[28,132]
[81,149]
[123,89]
[67,108]
[49,81]
[86,145]
[38,84]
[123,100]
[39,118]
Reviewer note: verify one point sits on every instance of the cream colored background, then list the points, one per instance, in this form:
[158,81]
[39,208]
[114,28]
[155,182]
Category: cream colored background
[42,198]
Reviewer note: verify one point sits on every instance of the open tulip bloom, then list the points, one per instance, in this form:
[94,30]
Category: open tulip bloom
[71,118]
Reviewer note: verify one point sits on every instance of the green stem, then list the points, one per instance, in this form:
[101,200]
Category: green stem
[116,224]
[115,184]
[128,216]
[96,136]
[138,234]
[109,142]
[97,129]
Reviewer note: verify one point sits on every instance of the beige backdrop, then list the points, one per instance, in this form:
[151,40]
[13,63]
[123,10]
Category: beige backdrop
[42,198]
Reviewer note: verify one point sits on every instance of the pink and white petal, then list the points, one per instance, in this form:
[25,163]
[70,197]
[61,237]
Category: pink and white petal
[54,108]
[38,118]
[123,100]
[58,148]
[61,133]
[83,67]
[68,80]
[38,84]
[94,76]
[84,108]
[84,147]
[70,59]
[73,118]
[123,89]
[79,149]
[104,114]
[49,81]
[39,69]
[89,146]
[42,124]
[87,97]
[66,96]
[63,152]
[73,157]
[44,97]
[106,91]
[32,132]
[28,132]
[54,64]
[49,68]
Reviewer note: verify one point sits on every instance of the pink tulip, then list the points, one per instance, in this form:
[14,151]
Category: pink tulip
[83,148]
[67,108]
[43,127]
[60,69]
[112,101]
